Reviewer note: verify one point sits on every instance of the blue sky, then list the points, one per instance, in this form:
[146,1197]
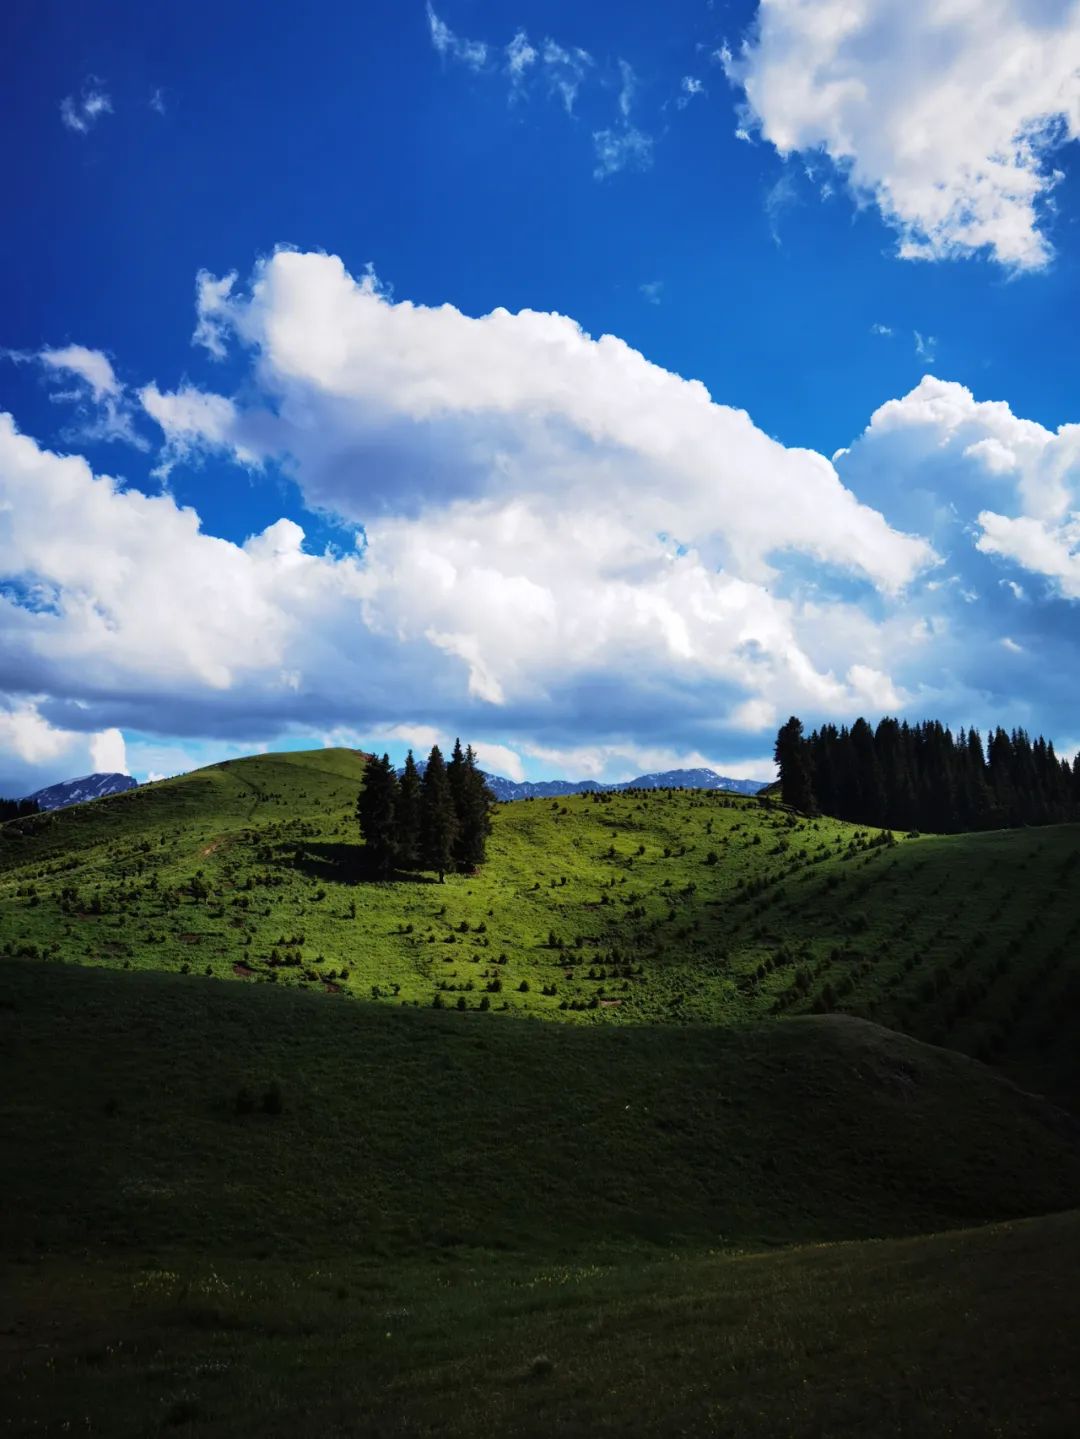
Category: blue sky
[512,528]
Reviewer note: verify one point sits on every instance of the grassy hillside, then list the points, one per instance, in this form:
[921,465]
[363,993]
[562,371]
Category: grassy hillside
[256,1183]
[682,907]
[406,1132]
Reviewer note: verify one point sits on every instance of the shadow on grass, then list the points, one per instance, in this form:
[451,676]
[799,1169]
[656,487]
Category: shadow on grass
[345,864]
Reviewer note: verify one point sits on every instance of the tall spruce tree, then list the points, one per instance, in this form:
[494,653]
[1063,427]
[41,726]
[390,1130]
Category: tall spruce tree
[474,803]
[409,815]
[376,809]
[793,757]
[438,821]
[455,777]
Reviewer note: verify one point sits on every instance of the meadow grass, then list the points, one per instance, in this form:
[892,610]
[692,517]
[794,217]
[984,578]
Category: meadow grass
[136,1120]
[960,1334]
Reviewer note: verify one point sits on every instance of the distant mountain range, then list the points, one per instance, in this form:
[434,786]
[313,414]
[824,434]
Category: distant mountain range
[509,789]
[77,791]
[97,786]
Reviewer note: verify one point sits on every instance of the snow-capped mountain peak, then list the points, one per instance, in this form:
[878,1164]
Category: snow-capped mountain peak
[78,791]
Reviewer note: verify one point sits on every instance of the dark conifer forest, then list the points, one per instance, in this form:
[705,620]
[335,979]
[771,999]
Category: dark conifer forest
[923,777]
[17,808]
[439,821]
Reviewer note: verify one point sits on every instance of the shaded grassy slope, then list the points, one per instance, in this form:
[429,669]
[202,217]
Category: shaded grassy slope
[965,1335]
[409,1132]
[969,940]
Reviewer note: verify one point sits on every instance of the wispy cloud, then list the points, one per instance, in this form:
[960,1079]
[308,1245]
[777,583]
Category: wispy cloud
[629,85]
[473,53]
[91,366]
[157,100]
[690,87]
[562,71]
[925,346]
[623,148]
[565,71]
[884,330]
[82,112]
[212,310]
[779,197]
[520,58]
[102,407]
[652,290]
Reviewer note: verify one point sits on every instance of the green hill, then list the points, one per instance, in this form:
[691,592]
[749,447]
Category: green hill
[670,906]
[257,1184]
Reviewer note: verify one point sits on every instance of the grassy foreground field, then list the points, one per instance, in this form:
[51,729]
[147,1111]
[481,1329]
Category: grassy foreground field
[966,1335]
[459,1225]
[673,907]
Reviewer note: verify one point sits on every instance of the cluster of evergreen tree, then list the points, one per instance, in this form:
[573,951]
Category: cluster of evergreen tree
[17,808]
[439,820]
[922,776]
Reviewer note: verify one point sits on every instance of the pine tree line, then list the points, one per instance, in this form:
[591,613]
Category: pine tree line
[18,808]
[439,820]
[922,777]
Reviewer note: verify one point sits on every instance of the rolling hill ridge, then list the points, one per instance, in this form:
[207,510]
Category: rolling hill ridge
[662,906]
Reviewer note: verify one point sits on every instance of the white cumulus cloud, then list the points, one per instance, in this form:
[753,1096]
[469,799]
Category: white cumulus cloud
[540,507]
[1014,483]
[946,116]
[563,547]
[35,752]
[108,752]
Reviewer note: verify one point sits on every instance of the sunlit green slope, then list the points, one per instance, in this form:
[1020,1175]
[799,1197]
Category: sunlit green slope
[661,906]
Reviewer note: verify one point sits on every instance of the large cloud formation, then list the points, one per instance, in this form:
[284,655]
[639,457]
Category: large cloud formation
[544,508]
[945,115]
[972,460]
[560,547]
